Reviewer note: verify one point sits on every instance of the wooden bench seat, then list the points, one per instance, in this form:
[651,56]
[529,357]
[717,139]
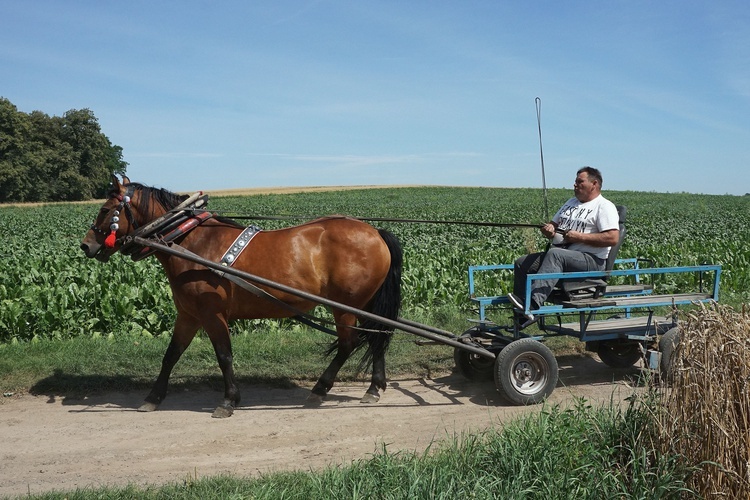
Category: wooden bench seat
[635,325]
[638,300]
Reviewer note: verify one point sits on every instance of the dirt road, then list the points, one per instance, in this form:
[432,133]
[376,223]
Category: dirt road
[59,443]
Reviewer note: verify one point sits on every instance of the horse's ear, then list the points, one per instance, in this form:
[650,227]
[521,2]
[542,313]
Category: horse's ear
[115,183]
[125,179]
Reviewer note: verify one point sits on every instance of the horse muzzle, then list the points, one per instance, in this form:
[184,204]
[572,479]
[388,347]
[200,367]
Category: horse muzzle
[94,250]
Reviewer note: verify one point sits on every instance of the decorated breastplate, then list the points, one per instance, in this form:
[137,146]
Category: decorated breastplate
[239,245]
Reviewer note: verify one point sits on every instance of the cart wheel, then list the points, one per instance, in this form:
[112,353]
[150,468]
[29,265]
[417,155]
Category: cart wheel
[619,353]
[667,346]
[473,366]
[525,372]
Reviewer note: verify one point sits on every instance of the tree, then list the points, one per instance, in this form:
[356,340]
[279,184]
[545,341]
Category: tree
[45,158]
[13,138]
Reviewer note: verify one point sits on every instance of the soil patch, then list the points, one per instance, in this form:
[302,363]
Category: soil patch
[62,443]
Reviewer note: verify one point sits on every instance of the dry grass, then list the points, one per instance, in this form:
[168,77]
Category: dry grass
[234,192]
[291,190]
[706,417]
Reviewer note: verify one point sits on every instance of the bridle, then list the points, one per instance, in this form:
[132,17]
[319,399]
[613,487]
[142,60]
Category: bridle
[124,206]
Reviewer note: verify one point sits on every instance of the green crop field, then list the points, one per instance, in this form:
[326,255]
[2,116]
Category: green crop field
[48,289]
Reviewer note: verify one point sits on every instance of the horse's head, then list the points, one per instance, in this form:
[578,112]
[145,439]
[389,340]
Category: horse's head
[116,219]
[129,206]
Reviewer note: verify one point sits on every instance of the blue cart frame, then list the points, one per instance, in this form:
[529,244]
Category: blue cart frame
[619,322]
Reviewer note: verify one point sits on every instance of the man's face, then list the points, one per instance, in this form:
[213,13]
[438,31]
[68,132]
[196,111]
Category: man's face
[585,189]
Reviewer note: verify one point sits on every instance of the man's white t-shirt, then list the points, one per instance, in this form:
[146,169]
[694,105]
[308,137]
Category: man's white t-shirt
[595,216]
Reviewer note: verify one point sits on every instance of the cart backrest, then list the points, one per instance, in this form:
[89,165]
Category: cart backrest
[622,211]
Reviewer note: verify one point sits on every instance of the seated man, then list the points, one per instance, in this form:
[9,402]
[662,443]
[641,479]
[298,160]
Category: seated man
[589,226]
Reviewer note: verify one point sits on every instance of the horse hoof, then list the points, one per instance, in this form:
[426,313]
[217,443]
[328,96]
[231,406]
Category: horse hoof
[370,398]
[223,411]
[314,400]
[146,407]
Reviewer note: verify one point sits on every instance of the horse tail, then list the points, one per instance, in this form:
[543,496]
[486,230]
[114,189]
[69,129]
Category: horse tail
[385,303]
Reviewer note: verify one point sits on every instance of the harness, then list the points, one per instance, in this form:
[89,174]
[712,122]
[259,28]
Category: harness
[184,224]
[236,248]
[111,238]
[169,227]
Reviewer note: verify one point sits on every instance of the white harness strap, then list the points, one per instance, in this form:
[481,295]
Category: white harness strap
[231,255]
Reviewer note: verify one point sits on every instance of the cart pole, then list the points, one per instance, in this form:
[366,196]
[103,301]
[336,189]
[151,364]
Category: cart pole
[178,251]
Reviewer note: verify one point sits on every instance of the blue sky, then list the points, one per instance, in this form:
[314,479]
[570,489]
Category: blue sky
[218,95]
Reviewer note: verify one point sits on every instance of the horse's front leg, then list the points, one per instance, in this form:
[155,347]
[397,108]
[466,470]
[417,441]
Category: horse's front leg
[185,328]
[218,331]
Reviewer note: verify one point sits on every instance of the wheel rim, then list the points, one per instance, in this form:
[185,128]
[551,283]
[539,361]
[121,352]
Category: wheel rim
[529,373]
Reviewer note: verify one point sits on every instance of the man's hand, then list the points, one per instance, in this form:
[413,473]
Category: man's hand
[548,230]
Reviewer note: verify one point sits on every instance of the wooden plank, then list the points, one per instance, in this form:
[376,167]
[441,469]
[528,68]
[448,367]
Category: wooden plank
[623,289]
[611,290]
[610,325]
[677,298]
[618,325]
[639,300]
[589,302]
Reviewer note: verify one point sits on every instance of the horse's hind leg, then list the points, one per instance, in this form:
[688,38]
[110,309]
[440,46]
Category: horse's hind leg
[348,340]
[185,328]
[378,369]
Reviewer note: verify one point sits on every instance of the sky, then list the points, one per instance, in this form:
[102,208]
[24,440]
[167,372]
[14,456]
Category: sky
[222,95]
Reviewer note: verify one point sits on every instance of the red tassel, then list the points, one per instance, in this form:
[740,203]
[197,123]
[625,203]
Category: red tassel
[109,241]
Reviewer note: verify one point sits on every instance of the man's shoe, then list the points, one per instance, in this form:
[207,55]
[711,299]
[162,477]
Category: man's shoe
[520,307]
[515,301]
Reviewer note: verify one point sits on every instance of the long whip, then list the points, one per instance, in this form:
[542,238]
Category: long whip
[541,154]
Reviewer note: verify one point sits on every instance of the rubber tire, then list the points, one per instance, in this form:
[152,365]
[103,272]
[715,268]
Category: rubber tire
[619,353]
[667,346]
[526,372]
[473,366]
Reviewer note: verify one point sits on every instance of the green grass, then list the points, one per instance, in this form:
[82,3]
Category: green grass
[278,353]
[281,353]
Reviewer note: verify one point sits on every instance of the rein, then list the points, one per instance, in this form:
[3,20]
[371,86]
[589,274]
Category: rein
[377,219]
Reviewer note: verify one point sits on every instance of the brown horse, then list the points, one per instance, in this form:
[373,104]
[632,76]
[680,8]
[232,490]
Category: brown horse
[338,258]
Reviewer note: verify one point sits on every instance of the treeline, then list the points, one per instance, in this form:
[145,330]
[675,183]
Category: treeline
[53,158]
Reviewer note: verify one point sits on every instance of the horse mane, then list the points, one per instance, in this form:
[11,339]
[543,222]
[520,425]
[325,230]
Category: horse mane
[150,195]
[167,199]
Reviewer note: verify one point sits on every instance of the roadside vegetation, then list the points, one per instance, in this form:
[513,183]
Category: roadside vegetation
[582,452]
[69,326]
[704,417]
